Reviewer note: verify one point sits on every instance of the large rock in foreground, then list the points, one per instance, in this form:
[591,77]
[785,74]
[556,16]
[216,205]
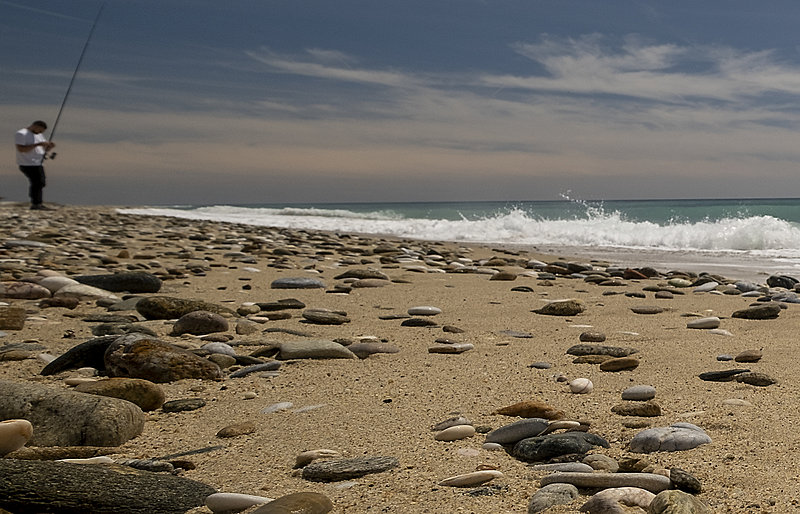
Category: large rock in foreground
[45,486]
[138,356]
[67,418]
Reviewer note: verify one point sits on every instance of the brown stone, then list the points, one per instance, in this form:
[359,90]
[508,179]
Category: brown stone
[147,395]
[12,318]
[619,364]
[531,409]
[237,429]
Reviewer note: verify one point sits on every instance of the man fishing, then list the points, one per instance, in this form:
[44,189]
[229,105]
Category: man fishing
[32,148]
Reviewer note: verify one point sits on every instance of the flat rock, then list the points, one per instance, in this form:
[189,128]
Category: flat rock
[531,409]
[130,281]
[704,323]
[419,322]
[256,368]
[517,431]
[147,395]
[619,364]
[568,307]
[647,481]
[167,307]
[596,349]
[83,292]
[47,486]
[325,317]
[755,378]
[183,405]
[297,503]
[237,429]
[646,409]
[297,283]
[314,349]
[543,448]
[722,376]
[592,337]
[12,318]
[766,311]
[68,418]
[676,437]
[453,348]
[139,356]
[749,356]
[616,500]
[364,350]
[424,310]
[471,479]
[647,309]
[346,469]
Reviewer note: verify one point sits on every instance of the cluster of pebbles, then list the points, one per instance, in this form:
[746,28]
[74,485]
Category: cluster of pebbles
[116,329]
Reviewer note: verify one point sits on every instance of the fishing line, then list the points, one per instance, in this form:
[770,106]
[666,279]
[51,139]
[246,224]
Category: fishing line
[72,80]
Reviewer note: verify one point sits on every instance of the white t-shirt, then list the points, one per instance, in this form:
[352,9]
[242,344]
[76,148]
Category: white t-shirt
[33,157]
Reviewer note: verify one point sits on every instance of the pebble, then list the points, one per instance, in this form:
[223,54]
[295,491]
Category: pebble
[455,433]
[749,356]
[424,310]
[471,479]
[309,456]
[237,429]
[551,495]
[297,503]
[581,386]
[345,469]
[639,393]
[619,364]
[531,409]
[14,434]
[647,309]
[596,349]
[648,481]
[645,409]
[704,323]
[220,503]
[568,307]
[455,348]
[676,437]
[517,431]
[451,422]
[183,405]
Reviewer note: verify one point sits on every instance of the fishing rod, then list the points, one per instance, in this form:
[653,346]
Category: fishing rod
[72,80]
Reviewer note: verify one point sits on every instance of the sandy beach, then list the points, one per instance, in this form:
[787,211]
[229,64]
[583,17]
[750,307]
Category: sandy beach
[387,403]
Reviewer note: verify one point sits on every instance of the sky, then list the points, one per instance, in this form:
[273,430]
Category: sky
[196,102]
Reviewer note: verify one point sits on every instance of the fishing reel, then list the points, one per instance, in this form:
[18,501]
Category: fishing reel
[52,156]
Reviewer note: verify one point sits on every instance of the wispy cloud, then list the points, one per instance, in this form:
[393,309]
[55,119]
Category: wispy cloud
[334,65]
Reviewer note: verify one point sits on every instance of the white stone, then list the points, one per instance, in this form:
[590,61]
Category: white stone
[310,456]
[55,283]
[84,292]
[455,433]
[581,386]
[471,479]
[233,502]
[103,459]
[639,393]
[14,434]
[705,288]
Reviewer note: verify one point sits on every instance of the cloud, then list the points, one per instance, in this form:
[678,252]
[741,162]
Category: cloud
[318,63]
[635,68]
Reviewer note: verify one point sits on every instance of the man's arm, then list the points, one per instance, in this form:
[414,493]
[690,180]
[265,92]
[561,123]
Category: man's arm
[27,148]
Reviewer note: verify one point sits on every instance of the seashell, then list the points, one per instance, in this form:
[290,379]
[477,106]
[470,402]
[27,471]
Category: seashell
[310,456]
[581,386]
[233,502]
[455,433]
[14,434]
[471,479]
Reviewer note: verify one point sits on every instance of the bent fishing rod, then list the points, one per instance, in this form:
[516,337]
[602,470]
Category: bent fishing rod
[72,81]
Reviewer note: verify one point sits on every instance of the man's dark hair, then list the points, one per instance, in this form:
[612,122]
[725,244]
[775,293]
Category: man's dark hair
[40,123]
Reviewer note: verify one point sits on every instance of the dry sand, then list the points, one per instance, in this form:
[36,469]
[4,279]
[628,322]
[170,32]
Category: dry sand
[386,404]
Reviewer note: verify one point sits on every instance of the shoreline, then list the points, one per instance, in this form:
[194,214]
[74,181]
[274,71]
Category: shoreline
[386,404]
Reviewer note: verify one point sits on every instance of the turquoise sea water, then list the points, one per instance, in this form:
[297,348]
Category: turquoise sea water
[752,236]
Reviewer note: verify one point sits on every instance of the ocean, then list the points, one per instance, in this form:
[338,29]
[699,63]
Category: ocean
[739,238]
